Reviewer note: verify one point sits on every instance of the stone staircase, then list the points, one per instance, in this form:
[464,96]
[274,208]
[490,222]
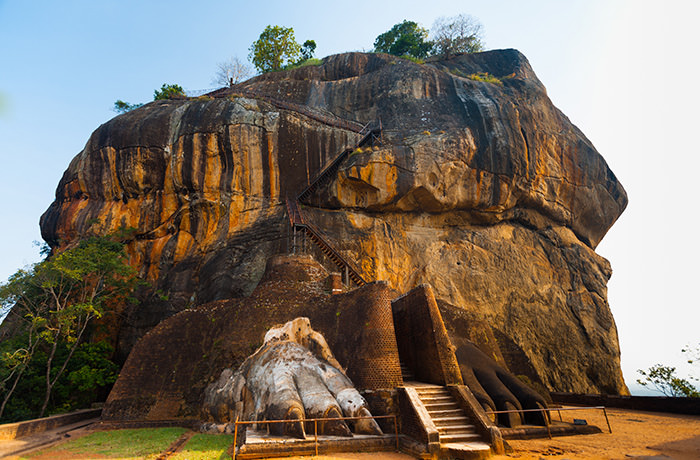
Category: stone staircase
[452,423]
[406,373]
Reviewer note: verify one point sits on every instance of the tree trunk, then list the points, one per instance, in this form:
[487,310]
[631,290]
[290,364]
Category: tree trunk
[49,385]
[11,390]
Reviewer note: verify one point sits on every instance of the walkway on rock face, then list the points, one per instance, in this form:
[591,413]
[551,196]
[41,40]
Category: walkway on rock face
[315,114]
[368,134]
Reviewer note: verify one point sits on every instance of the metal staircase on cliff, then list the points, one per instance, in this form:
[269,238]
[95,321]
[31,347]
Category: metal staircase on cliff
[369,134]
[298,224]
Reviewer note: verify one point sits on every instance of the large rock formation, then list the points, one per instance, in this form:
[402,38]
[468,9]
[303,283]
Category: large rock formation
[486,191]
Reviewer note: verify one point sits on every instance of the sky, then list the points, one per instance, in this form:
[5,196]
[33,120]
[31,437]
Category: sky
[623,71]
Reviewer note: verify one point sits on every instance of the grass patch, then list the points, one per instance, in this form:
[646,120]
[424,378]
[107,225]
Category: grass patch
[486,78]
[305,63]
[414,59]
[142,443]
[205,447]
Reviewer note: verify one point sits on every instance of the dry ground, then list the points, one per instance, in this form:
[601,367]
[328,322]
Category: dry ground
[635,435]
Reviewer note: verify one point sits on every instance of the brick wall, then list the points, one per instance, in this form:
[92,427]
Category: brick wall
[422,338]
[365,340]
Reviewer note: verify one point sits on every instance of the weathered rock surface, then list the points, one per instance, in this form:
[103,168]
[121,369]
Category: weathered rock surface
[292,376]
[485,191]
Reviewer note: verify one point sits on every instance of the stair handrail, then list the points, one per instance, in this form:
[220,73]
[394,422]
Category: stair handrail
[321,175]
[293,212]
[329,119]
[318,234]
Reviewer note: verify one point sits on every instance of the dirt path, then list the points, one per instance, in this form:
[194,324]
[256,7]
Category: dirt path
[635,435]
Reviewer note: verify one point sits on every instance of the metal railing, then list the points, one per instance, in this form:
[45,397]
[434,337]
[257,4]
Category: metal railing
[315,114]
[549,410]
[315,420]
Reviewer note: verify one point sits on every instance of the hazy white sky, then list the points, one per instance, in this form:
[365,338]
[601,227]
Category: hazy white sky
[623,71]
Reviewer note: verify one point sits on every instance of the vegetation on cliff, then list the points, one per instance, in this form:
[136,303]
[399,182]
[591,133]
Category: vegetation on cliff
[47,364]
[663,379]
[450,36]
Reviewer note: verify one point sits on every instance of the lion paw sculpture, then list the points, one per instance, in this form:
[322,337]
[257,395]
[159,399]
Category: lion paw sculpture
[292,376]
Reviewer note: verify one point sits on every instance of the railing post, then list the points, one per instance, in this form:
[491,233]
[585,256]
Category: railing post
[316,436]
[235,437]
[606,420]
[546,422]
[347,276]
[396,433]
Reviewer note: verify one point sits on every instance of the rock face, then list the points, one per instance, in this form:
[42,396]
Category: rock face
[486,191]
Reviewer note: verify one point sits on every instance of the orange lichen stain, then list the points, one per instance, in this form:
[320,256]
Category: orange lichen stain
[155,256]
[272,167]
[234,213]
[478,176]
[184,243]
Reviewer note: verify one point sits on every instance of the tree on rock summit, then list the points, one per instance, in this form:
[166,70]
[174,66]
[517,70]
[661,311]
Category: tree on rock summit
[275,48]
[457,35]
[404,39]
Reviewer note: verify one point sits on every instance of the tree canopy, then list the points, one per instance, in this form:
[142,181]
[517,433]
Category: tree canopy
[168,91]
[308,49]
[52,304]
[275,48]
[404,39]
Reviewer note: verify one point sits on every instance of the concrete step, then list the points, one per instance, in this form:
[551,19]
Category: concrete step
[432,392]
[456,429]
[452,421]
[458,437]
[441,406]
[466,450]
[446,413]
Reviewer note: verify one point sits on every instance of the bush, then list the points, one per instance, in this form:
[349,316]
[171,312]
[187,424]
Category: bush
[486,78]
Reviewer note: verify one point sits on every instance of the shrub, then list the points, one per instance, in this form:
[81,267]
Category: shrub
[485,77]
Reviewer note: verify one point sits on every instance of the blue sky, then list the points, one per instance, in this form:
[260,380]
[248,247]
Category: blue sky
[622,71]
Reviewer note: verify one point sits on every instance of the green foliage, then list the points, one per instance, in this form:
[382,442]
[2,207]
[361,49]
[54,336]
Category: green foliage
[143,443]
[308,49]
[457,34]
[413,59]
[123,107]
[404,39]
[485,77]
[663,379]
[205,447]
[692,354]
[168,92]
[53,303]
[307,62]
[275,48]
[92,367]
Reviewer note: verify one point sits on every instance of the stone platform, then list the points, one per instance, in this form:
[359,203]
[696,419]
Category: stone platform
[259,444]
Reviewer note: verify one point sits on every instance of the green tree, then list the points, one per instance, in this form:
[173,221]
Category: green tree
[123,107]
[308,49]
[663,379]
[168,91]
[456,35]
[404,39]
[54,302]
[275,48]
